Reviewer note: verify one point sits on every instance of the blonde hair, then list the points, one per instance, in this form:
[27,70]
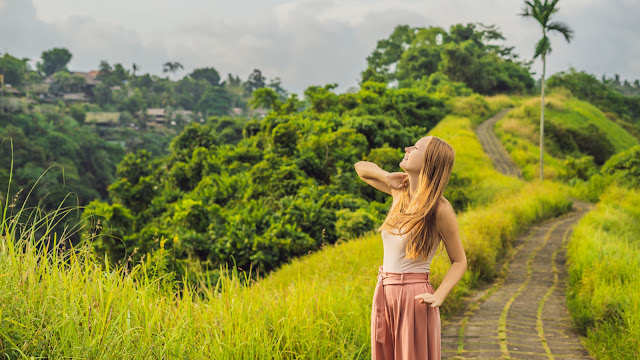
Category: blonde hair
[419,213]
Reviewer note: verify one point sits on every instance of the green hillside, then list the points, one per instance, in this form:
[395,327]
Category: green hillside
[314,305]
[573,129]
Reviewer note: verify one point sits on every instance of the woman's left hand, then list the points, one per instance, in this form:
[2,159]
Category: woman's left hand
[433,299]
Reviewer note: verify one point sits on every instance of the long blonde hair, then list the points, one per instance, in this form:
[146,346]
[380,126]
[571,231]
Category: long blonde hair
[419,213]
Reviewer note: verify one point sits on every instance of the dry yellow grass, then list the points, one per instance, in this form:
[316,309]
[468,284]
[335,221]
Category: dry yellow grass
[519,128]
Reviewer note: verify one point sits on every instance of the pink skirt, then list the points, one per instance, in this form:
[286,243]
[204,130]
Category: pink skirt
[402,327]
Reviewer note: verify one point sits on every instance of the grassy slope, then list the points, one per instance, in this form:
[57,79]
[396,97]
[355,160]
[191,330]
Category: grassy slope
[603,257]
[519,131]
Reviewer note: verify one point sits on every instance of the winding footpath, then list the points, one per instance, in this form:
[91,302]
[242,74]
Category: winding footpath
[492,146]
[523,314]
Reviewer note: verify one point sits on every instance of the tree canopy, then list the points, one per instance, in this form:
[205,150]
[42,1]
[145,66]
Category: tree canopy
[464,54]
[55,60]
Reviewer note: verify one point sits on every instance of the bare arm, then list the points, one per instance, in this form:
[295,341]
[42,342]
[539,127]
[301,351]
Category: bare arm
[448,226]
[373,175]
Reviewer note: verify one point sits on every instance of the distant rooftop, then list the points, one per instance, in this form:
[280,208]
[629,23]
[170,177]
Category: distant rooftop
[102,117]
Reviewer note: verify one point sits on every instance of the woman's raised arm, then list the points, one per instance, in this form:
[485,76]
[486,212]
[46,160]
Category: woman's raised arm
[373,175]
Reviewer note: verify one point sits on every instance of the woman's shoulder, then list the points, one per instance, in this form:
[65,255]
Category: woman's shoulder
[444,206]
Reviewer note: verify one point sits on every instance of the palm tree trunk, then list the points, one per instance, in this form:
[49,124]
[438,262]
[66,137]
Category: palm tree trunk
[542,114]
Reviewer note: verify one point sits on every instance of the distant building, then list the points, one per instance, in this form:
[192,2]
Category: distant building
[103,119]
[107,126]
[40,90]
[75,97]
[91,77]
[56,92]
[9,90]
[157,115]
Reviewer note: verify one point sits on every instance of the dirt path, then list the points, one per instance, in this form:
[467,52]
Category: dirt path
[523,314]
[494,148]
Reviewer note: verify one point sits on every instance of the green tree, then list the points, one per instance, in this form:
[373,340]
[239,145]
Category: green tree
[214,101]
[255,81]
[55,60]
[13,69]
[209,74]
[387,52]
[134,103]
[112,76]
[102,94]
[542,12]
[626,166]
[276,85]
[467,53]
[266,98]
[190,90]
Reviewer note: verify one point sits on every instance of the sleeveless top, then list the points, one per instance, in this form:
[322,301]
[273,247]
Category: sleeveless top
[394,252]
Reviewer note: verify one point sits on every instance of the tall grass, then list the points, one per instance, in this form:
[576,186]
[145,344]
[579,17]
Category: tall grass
[56,304]
[603,257]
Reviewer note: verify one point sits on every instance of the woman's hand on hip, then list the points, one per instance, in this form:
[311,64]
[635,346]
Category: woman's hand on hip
[433,299]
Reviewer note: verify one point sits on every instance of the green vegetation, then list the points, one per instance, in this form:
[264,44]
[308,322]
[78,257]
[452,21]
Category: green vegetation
[604,288]
[411,55]
[577,131]
[620,103]
[474,181]
[136,311]
[214,237]
[82,162]
[54,60]
[286,187]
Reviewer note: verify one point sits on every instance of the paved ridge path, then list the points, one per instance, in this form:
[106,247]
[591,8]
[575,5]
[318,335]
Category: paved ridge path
[492,146]
[523,314]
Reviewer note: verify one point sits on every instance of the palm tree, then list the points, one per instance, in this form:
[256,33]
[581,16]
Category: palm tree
[542,12]
[171,67]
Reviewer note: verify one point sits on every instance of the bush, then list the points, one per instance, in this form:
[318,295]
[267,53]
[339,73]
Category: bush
[625,166]
[582,168]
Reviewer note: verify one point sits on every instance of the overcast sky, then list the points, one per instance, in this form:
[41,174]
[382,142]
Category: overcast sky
[304,42]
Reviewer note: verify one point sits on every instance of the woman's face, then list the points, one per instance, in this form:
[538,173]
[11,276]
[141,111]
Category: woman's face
[414,156]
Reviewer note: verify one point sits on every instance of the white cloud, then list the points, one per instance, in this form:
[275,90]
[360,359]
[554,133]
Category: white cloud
[304,42]
[92,41]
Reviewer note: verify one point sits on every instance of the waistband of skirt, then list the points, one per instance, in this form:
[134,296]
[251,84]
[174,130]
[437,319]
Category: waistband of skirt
[393,278]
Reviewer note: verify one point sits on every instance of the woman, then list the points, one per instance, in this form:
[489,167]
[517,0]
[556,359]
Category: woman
[405,315]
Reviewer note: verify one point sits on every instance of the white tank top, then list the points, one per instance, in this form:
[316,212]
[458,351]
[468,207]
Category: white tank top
[394,252]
